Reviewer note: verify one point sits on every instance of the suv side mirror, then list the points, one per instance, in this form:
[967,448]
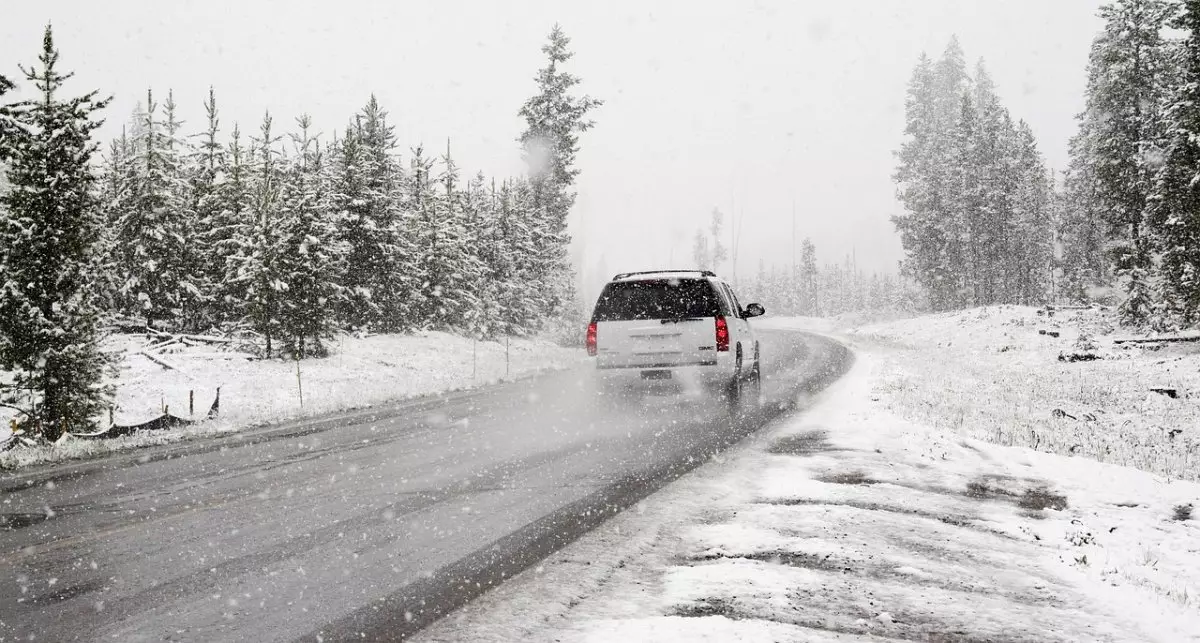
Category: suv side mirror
[754,310]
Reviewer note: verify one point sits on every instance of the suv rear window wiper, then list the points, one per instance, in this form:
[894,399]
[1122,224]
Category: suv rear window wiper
[676,320]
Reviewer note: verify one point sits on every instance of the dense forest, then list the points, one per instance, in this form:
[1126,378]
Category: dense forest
[1129,208]
[978,200]
[273,231]
[985,223]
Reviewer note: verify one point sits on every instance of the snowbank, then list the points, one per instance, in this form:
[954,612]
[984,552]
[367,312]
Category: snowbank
[360,372]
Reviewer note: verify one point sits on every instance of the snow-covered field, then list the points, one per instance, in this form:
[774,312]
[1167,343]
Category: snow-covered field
[851,522]
[360,372]
[989,373]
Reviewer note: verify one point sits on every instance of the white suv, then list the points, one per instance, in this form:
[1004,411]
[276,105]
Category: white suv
[684,325]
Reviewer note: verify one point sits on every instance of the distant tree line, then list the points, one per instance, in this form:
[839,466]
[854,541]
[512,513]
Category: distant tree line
[811,290]
[275,231]
[804,288]
[1129,208]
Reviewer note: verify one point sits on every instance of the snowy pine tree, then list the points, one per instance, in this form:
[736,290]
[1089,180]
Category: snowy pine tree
[524,301]
[964,221]
[49,231]
[719,252]
[1030,244]
[259,272]
[439,242]
[809,303]
[8,128]
[154,224]
[1121,128]
[211,240]
[927,230]
[308,257]
[368,193]
[230,228]
[114,187]
[554,118]
[183,206]
[701,254]
[1177,216]
[1082,232]
[454,261]
[476,217]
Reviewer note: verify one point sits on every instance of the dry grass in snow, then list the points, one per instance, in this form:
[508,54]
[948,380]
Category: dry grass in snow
[990,373]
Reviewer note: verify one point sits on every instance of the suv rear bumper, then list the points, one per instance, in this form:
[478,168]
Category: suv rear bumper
[655,366]
[690,375]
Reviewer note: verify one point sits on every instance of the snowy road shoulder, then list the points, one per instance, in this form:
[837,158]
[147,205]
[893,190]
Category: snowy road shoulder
[848,523]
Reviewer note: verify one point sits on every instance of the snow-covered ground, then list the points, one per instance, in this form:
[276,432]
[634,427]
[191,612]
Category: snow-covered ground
[990,373]
[851,522]
[360,372]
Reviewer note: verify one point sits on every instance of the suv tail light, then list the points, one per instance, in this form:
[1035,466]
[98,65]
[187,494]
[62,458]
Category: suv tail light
[722,334]
[591,339]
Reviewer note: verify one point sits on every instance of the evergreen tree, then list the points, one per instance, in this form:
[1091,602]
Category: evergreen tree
[719,252]
[809,297]
[308,257]
[964,220]
[701,255]
[229,232]
[49,231]
[154,225]
[554,118]
[183,206]
[8,128]
[457,264]
[476,216]
[1178,214]
[368,192]
[114,191]
[260,273]
[440,243]
[924,159]
[1082,231]
[211,238]
[997,255]
[1030,248]
[492,252]
[525,300]
[1123,127]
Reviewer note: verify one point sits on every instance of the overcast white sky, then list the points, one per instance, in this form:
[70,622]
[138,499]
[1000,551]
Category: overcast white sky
[738,105]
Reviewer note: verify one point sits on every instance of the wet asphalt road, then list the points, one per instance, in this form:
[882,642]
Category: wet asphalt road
[365,525]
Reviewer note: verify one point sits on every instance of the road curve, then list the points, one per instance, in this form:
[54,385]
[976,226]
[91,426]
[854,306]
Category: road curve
[360,525]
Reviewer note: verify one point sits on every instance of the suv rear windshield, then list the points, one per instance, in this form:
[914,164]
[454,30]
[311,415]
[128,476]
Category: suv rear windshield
[656,299]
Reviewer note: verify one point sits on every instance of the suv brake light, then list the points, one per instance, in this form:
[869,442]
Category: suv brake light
[591,339]
[722,334]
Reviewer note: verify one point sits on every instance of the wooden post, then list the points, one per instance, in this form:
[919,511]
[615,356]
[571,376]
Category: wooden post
[299,383]
[191,402]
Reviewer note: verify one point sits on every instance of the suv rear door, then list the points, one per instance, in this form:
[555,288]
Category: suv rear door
[657,323]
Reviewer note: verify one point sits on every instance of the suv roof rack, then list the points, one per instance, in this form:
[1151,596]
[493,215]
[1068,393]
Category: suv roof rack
[623,275]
